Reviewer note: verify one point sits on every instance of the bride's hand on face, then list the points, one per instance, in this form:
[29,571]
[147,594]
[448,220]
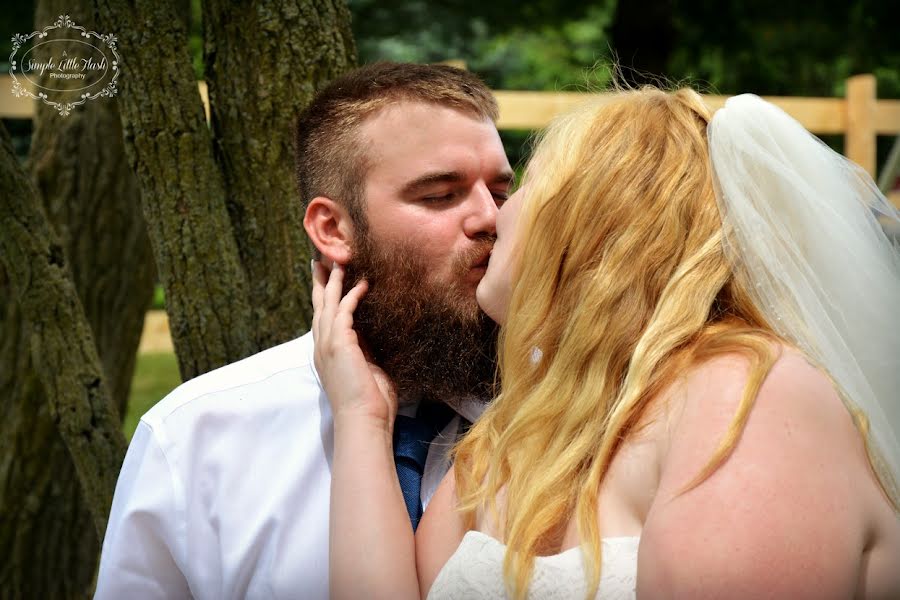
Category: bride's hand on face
[356,387]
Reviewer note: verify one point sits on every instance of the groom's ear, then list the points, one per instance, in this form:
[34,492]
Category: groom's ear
[330,228]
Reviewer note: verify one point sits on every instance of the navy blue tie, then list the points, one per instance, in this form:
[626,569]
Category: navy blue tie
[412,435]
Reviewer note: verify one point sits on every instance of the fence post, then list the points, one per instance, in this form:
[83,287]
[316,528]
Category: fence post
[860,141]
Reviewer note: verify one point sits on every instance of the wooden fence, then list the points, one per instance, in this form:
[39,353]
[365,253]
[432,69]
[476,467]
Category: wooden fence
[860,116]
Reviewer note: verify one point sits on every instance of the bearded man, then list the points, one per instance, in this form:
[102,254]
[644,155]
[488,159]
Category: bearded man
[225,489]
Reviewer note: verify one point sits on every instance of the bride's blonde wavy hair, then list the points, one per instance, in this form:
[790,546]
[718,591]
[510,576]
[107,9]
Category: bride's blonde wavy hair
[623,282]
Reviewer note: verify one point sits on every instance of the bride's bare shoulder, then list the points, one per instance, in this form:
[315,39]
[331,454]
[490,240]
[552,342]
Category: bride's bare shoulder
[791,409]
[793,481]
[714,389]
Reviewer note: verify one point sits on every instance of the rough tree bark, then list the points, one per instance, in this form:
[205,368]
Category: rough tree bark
[183,170]
[91,199]
[182,191]
[263,64]
[222,308]
[61,346]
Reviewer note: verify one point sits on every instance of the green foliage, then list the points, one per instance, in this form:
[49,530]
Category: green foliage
[527,48]
[155,375]
[159,298]
[780,48]
[379,19]
[767,47]
[549,57]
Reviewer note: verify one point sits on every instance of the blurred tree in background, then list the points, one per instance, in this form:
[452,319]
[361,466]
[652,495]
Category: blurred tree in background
[723,46]
[769,47]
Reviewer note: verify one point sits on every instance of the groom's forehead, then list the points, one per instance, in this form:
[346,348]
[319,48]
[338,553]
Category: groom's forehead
[413,146]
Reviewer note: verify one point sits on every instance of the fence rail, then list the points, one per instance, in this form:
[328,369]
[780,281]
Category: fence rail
[860,116]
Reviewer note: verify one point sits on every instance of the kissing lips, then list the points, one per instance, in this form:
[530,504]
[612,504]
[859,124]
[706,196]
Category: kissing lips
[478,268]
[480,265]
[473,262]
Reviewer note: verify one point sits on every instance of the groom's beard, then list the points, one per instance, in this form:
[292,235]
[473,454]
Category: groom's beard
[431,338]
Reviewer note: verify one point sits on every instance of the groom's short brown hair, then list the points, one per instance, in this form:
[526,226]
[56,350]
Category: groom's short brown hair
[331,161]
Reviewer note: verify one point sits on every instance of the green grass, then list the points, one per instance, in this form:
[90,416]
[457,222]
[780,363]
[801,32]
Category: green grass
[155,375]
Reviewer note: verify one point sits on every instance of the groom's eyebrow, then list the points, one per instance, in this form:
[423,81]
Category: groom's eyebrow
[423,182]
[506,178]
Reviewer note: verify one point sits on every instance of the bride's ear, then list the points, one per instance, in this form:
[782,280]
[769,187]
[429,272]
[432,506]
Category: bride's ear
[330,228]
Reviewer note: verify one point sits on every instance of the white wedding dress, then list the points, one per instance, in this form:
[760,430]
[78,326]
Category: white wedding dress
[476,571]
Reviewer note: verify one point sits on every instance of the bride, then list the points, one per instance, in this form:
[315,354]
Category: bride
[699,367]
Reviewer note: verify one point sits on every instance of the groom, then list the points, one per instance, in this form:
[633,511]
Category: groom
[224,492]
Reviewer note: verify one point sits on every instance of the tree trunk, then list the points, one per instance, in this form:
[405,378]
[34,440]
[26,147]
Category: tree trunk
[64,357]
[263,65]
[182,190]
[91,200]
[44,525]
[65,395]
[221,204]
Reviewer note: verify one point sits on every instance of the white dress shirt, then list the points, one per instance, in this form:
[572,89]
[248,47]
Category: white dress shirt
[224,492]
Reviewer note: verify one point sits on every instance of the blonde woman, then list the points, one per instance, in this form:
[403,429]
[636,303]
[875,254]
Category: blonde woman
[700,378]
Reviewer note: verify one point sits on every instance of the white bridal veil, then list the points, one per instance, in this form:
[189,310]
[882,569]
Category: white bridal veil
[801,222]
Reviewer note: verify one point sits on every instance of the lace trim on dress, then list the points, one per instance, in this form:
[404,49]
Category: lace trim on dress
[476,571]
